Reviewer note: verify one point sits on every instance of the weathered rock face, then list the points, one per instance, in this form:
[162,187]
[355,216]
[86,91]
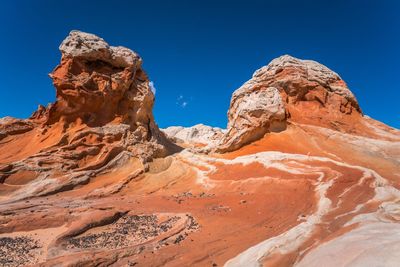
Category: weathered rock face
[251,115]
[287,89]
[102,117]
[307,80]
[12,126]
[98,84]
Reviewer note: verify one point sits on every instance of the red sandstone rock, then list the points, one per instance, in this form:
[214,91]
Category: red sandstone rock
[86,181]
[101,118]
[266,102]
[99,84]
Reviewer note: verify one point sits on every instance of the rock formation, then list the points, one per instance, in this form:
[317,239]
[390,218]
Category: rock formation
[101,118]
[287,89]
[12,126]
[304,177]
[252,113]
[98,84]
[200,135]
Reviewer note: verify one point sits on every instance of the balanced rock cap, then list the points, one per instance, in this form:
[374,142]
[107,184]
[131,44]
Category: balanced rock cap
[91,47]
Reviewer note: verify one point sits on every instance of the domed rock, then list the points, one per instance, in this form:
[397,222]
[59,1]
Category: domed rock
[286,90]
[305,80]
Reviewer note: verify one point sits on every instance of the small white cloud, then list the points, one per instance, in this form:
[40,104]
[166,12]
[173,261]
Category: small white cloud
[182,101]
[152,88]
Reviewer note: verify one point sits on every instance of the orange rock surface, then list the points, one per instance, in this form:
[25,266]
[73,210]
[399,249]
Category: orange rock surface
[91,181]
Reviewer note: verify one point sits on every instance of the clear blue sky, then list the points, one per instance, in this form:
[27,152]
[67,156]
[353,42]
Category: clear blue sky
[199,52]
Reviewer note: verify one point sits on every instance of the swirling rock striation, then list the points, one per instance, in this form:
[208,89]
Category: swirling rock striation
[102,117]
[287,89]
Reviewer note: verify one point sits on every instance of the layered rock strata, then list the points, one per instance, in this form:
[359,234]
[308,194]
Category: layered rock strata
[287,89]
[101,118]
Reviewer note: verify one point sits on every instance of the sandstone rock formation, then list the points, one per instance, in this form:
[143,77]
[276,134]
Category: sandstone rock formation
[252,113]
[98,84]
[287,89]
[12,126]
[87,180]
[200,135]
[101,118]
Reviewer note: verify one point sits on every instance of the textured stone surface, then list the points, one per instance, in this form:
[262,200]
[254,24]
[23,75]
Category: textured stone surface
[251,115]
[198,134]
[300,77]
[98,84]
[102,117]
[287,89]
[12,126]
[91,47]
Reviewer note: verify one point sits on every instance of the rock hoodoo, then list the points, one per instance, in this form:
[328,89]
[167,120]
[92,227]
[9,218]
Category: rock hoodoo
[102,117]
[98,83]
[287,89]
[101,85]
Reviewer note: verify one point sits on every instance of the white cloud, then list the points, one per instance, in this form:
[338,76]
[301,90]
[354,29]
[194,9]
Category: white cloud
[182,101]
[152,88]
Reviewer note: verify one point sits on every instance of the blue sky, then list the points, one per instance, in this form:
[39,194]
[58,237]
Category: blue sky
[198,52]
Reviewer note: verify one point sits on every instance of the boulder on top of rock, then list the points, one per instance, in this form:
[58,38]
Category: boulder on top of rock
[91,47]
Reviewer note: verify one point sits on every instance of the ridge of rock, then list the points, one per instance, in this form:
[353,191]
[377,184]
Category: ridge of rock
[198,134]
